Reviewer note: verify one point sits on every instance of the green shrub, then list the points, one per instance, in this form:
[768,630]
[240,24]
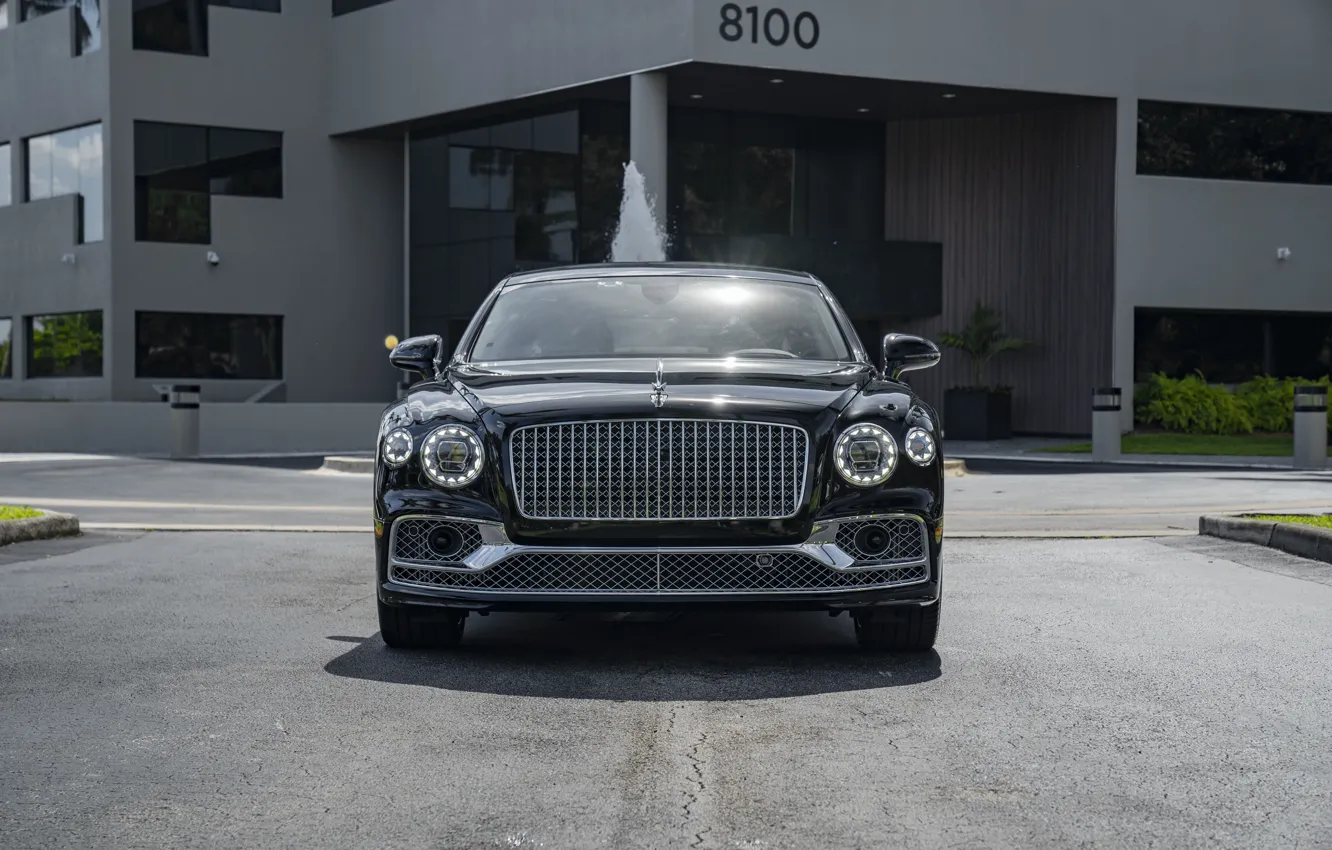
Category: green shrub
[1193,406]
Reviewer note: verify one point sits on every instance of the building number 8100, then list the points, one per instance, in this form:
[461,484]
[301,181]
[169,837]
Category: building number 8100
[776,25]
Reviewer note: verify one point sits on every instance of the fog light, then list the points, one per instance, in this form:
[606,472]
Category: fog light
[444,541]
[872,540]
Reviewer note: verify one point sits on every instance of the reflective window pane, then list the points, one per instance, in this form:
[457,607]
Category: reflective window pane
[70,163]
[171,183]
[342,7]
[1234,143]
[706,176]
[765,186]
[67,345]
[6,348]
[87,18]
[6,187]
[603,160]
[252,5]
[245,162]
[545,206]
[480,179]
[207,346]
[39,168]
[1231,347]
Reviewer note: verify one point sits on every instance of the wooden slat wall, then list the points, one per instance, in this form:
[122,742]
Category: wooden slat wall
[1024,205]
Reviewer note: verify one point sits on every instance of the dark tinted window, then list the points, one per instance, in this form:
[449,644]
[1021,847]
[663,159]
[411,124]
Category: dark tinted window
[70,163]
[1234,143]
[6,187]
[245,162]
[1231,347]
[87,19]
[252,5]
[66,345]
[6,348]
[207,345]
[342,7]
[171,26]
[660,317]
[177,167]
[545,206]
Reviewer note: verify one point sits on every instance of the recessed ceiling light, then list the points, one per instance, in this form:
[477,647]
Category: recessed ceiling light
[863,109]
[696,96]
[949,96]
[776,80]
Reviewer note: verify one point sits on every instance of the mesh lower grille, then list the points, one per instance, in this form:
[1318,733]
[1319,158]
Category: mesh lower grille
[666,572]
[411,540]
[906,539]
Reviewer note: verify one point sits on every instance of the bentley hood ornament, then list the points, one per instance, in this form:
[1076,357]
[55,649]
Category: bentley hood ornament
[659,395]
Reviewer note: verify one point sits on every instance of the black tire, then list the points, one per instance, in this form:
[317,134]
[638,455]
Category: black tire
[402,627]
[909,628]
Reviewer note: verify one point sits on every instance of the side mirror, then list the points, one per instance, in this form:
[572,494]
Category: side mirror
[906,353]
[421,354]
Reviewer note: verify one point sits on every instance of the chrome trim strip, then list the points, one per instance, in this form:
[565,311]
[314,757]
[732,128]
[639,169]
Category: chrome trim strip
[517,483]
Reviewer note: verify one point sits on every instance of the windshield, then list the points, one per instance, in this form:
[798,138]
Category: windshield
[660,317]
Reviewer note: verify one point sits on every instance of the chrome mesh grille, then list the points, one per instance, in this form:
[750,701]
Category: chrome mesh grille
[411,538]
[906,539]
[659,469]
[665,572]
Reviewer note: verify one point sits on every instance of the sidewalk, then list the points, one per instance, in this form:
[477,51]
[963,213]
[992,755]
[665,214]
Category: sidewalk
[1028,450]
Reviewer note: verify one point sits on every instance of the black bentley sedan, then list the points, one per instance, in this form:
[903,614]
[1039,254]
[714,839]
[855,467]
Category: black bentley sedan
[660,436]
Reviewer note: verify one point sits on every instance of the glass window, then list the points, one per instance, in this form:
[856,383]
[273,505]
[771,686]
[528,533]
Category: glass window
[70,163]
[480,179]
[603,159]
[207,346]
[1231,347]
[171,26]
[6,179]
[245,162]
[88,20]
[660,317]
[342,7]
[1234,143]
[6,348]
[177,167]
[4,14]
[67,345]
[765,186]
[546,207]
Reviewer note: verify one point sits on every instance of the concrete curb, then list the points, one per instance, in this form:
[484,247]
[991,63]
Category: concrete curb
[1304,540]
[365,465]
[42,527]
[953,467]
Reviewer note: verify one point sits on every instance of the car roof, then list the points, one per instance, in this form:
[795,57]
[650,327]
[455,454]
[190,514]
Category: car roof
[671,268]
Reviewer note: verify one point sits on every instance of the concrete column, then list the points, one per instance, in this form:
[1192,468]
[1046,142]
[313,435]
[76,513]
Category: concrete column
[647,135]
[1310,427]
[184,399]
[1105,423]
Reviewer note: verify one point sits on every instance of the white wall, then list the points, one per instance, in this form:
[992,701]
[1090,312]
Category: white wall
[224,429]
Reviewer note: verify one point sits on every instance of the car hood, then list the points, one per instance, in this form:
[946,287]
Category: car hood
[584,389]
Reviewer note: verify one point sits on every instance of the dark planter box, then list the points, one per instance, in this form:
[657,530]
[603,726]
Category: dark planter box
[977,415]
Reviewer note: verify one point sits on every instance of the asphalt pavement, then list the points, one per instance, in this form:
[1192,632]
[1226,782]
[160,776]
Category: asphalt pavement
[295,494]
[230,690]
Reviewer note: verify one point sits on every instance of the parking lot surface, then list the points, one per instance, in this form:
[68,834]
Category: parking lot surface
[230,689]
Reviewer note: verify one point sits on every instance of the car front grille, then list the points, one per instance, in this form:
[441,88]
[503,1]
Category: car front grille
[659,469]
[660,573]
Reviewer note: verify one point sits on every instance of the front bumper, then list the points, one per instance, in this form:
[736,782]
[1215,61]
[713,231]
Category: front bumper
[828,571]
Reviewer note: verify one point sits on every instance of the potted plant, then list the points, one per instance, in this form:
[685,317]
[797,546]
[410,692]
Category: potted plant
[980,411]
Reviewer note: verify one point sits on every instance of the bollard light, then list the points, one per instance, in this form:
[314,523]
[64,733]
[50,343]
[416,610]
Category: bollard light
[1310,428]
[1106,404]
[184,401]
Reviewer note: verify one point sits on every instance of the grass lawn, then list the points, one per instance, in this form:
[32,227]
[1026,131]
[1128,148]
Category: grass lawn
[1324,521]
[10,512]
[1251,445]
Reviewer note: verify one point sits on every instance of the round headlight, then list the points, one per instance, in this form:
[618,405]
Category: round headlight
[452,456]
[865,454]
[397,447]
[919,445]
